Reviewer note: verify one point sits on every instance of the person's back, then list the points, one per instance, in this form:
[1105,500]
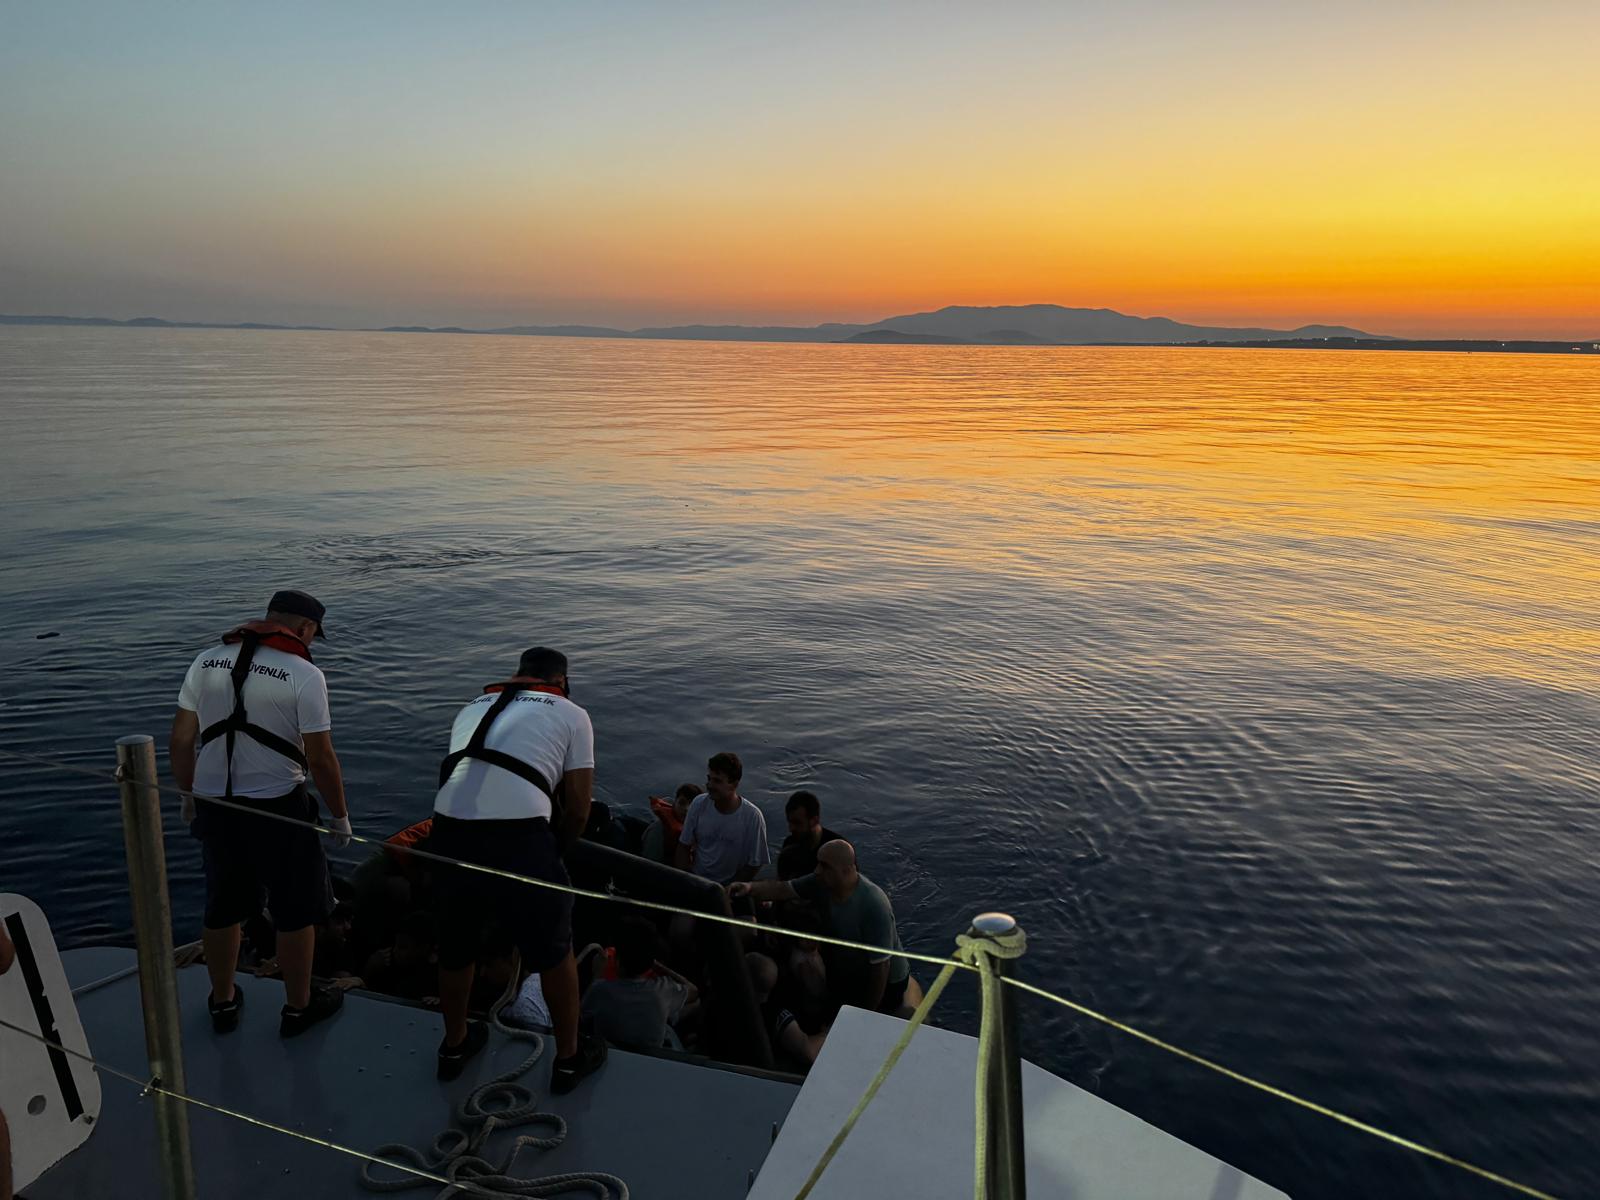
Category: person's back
[513,751]
[283,693]
[635,1009]
[252,724]
[543,730]
[633,1012]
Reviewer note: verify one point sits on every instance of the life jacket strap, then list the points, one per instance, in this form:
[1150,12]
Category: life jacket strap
[238,721]
[475,748]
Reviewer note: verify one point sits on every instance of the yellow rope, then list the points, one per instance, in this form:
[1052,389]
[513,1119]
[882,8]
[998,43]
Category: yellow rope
[659,906]
[153,1086]
[898,1049]
[970,949]
[1393,1139]
[976,948]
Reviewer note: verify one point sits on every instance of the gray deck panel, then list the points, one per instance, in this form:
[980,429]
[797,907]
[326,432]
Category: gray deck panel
[917,1136]
[365,1078]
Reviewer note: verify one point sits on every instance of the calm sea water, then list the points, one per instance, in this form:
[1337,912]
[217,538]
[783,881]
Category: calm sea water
[1263,687]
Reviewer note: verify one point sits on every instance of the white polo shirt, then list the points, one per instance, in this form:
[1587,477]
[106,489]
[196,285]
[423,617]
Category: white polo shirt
[549,733]
[285,694]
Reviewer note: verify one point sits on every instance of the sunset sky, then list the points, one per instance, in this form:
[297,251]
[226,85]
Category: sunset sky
[1406,168]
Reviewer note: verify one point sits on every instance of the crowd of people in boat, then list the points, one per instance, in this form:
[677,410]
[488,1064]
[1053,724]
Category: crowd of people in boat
[515,794]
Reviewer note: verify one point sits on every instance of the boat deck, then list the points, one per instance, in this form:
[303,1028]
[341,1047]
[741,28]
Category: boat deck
[666,1127]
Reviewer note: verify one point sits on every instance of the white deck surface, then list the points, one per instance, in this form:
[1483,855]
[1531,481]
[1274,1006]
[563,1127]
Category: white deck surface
[916,1138]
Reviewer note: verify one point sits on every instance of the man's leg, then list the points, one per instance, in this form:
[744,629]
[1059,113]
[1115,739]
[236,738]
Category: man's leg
[295,951]
[560,984]
[222,959]
[455,990]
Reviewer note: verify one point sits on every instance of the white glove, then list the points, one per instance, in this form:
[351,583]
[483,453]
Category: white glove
[341,831]
[188,808]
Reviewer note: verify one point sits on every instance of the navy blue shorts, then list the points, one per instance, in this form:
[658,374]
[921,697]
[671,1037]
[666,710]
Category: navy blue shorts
[481,913]
[253,862]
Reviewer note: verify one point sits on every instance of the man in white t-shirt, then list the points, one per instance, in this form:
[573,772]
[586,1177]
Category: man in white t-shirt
[724,836]
[514,751]
[252,723]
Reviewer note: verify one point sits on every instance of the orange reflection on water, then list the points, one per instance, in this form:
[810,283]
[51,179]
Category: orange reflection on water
[1444,508]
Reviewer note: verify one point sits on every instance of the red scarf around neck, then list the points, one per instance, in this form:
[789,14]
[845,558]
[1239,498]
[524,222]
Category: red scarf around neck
[271,635]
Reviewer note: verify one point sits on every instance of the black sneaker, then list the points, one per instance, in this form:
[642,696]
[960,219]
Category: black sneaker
[324,1003]
[568,1073]
[225,1017]
[453,1059]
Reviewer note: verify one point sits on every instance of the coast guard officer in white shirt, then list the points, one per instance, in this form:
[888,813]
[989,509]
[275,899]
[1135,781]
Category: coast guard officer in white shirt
[252,723]
[520,769]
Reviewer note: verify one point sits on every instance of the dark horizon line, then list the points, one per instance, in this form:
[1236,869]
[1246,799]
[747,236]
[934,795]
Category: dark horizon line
[855,334]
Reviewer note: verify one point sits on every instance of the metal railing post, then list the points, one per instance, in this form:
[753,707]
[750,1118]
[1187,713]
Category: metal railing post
[1005,1162]
[158,977]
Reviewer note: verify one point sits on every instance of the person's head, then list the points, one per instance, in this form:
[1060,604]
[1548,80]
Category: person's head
[684,796]
[495,974]
[414,940]
[339,923]
[723,772]
[637,946]
[804,814]
[547,666]
[836,868]
[802,921]
[299,612]
[763,975]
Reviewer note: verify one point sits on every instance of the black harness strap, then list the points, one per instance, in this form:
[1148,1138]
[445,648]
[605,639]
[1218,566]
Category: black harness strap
[238,721]
[476,749]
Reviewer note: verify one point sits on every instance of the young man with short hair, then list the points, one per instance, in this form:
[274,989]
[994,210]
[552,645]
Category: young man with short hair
[252,723]
[513,751]
[726,834]
[798,854]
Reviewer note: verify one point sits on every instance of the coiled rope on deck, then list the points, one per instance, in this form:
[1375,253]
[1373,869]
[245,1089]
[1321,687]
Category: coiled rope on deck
[502,1103]
[149,1087]
[948,967]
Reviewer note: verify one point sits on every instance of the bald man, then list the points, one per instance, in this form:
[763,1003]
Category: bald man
[852,907]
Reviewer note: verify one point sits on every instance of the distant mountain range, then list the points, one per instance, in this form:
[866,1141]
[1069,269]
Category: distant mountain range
[1006,325]
[1003,325]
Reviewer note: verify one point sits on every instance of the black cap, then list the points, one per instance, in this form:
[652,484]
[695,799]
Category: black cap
[301,604]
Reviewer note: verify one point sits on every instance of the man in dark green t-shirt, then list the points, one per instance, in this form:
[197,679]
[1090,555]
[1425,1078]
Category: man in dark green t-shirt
[852,907]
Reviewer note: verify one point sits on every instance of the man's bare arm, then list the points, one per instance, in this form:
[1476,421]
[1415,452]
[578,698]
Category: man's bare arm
[681,857]
[181,748]
[324,764]
[763,889]
[693,993]
[577,794]
[877,982]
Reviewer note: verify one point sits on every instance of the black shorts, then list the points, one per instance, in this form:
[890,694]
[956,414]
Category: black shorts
[480,912]
[254,862]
